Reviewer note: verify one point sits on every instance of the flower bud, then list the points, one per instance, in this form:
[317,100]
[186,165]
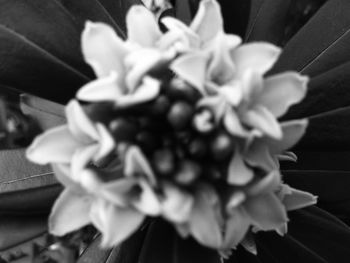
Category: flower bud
[164,161]
[179,89]
[203,121]
[188,172]
[197,148]
[160,106]
[147,141]
[222,146]
[180,115]
[123,129]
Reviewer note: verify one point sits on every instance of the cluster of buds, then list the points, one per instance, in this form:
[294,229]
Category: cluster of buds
[182,125]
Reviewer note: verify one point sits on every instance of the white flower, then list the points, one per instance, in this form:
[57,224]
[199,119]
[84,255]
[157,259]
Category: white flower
[77,143]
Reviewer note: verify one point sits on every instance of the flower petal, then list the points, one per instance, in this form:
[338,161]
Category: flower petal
[136,164]
[103,49]
[140,62]
[233,94]
[147,202]
[106,142]
[192,68]
[281,91]
[79,123]
[102,89]
[115,223]
[148,91]
[56,145]
[236,227]
[261,119]
[81,158]
[266,212]
[258,57]
[70,212]
[233,124]
[292,132]
[177,204]
[63,175]
[238,172]
[258,155]
[204,222]
[268,184]
[119,192]
[221,68]
[142,26]
[208,20]
[298,199]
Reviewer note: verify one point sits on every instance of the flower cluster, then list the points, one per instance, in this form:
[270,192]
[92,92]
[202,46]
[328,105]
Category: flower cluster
[182,125]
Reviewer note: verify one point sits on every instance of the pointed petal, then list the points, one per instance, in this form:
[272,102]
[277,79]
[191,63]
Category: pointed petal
[79,123]
[249,244]
[266,212]
[258,57]
[292,132]
[177,204]
[63,175]
[103,49]
[298,199]
[208,20]
[177,30]
[221,68]
[142,26]
[102,89]
[70,212]
[147,91]
[192,68]
[283,90]
[140,62]
[233,94]
[268,184]
[81,158]
[147,202]
[115,223]
[258,155]
[261,119]
[233,124]
[238,172]
[204,222]
[237,226]
[136,163]
[216,104]
[56,145]
[119,192]
[106,142]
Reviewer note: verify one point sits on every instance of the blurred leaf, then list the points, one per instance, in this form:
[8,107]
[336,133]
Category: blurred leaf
[163,244]
[326,92]
[267,21]
[312,52]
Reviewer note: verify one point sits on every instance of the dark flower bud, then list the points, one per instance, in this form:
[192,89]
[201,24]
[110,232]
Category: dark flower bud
[197,148]
[123,130]
[164,162]
[179,89]
[222,146]
[160,106]
[180,115]
[188,172]
[147,141]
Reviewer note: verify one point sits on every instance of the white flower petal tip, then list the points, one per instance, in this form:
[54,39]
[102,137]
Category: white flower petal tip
[142,27]
[136,163]
[70,212]
[56,145]
[106,142]
[192,68]
[258,57]
[208,20]
[147,202]
[177,205]
[238,172]
[282,91]
[297,199]
[102,89]
[103,49]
